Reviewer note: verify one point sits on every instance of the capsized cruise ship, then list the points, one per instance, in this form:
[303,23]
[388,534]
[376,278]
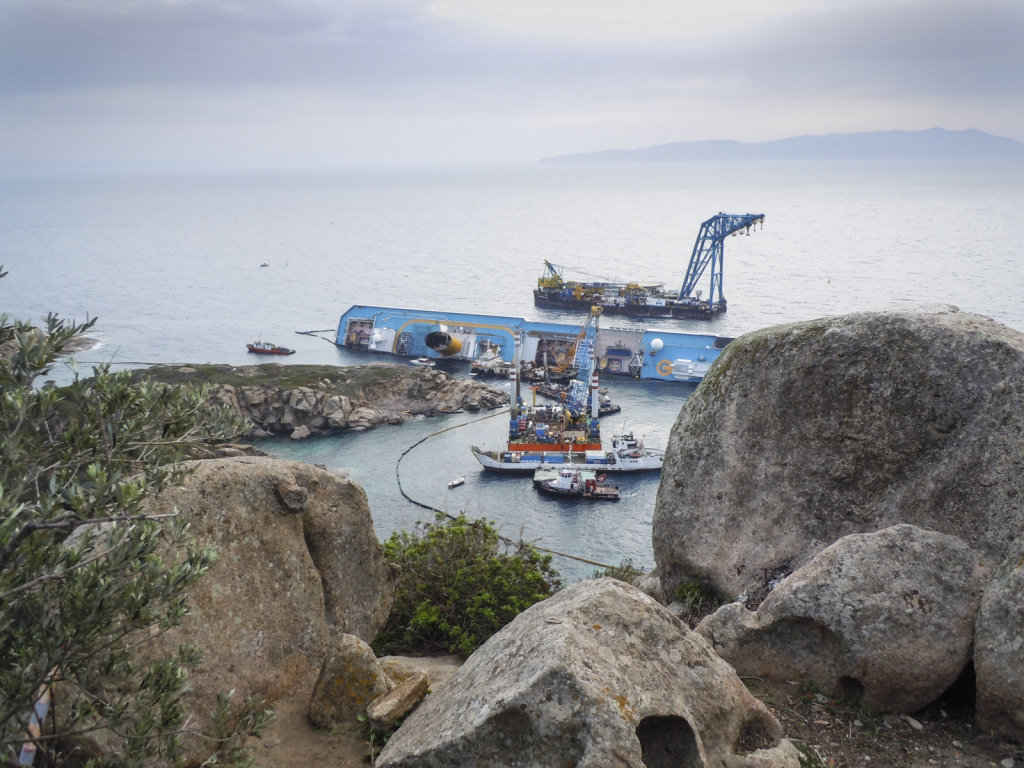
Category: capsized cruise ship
[413,333]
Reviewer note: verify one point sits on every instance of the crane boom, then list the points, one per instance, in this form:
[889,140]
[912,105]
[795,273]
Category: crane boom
[584,362]
[708,250]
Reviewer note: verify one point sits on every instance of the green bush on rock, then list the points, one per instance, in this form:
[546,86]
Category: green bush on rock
[698,601]
[458,586]
[626,571]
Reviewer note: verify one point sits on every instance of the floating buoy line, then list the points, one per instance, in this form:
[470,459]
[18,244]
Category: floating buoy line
[316,335]
[507,541]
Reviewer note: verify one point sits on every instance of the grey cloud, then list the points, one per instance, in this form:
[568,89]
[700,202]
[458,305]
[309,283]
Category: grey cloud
[96,77]
[50,44]
[379,50]
[916,49]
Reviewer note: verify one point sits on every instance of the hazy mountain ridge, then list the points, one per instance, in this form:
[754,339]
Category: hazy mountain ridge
[935,143]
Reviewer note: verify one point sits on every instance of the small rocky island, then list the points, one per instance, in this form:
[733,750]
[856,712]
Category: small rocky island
[304,400]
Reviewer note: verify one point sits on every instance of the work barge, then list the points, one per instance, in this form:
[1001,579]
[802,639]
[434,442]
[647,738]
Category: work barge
[639,353]
[635,299]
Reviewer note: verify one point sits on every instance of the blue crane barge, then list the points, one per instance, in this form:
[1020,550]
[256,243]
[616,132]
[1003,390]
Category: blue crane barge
[635,299]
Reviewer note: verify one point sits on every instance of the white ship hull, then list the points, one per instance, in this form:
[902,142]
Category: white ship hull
[627,455]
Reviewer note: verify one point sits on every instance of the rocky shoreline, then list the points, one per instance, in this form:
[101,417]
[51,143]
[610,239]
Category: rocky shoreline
[305,400]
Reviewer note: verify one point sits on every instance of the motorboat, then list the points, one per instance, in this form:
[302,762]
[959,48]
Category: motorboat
[571,483]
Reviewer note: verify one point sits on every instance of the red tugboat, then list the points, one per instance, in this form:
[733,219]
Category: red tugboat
[266,348]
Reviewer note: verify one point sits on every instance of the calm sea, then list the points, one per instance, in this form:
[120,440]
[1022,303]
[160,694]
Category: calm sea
[173,267]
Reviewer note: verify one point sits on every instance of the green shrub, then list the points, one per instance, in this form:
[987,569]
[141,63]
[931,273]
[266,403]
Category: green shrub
[458,586]
[698,600]
[625,571]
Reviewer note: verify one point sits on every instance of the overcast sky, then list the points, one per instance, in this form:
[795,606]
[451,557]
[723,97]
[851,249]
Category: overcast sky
[336,82]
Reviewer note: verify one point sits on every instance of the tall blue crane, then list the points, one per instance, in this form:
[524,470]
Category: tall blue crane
[582,386]
[708,250]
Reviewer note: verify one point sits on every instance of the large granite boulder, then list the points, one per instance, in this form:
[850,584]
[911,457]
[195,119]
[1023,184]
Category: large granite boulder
[600,674]
[999,649]
[804,433]
[298,561]
[884,618]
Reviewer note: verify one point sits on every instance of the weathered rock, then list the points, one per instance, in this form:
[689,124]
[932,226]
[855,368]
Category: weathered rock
[363,418]
[292,495]
[650,584]
[289,573]
[359,584]
[337,410]
[224,395]
[388,709]
[302,400]
[597,675]
[255,399]
[885,618]
[802,434]
[350,679]
[440,669]
[999,649]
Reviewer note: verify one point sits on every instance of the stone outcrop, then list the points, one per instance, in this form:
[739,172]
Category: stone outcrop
[298,562]
[439,669]
[999,649]
[597,675]
[350,679]
[802,434]
[388,709]
[351,398]
[886,619]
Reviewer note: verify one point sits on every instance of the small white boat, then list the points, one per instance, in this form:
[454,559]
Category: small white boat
[425,362]
[456,482]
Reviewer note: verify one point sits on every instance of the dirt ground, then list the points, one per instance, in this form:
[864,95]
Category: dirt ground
[291,742]
[830,733]
[837,734]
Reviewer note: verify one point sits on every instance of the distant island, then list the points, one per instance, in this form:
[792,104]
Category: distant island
[936,143]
